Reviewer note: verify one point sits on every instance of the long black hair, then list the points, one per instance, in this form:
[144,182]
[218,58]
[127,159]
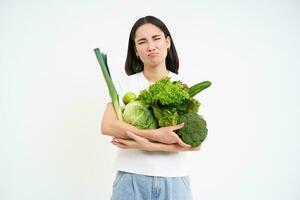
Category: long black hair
[133,64]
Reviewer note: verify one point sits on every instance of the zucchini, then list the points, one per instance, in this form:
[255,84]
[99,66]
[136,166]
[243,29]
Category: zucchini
[195,89]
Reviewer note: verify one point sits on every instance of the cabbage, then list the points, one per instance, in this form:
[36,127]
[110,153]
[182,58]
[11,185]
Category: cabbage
[139,115]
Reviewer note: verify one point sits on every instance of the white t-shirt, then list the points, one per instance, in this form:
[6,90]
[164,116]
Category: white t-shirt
[166,164]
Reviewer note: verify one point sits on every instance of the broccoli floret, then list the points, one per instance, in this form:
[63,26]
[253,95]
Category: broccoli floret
[194,131]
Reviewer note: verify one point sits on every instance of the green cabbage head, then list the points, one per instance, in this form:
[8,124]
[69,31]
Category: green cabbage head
[139,115]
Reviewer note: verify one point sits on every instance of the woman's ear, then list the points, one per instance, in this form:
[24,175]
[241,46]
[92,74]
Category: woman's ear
[135,51]
[168,39]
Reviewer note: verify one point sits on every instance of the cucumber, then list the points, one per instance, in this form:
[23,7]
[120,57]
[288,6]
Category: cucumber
[195,89]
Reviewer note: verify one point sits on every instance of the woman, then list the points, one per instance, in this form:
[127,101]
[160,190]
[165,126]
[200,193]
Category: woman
[152,163]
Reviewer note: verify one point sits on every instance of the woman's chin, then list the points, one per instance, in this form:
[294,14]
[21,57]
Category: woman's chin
[154,63]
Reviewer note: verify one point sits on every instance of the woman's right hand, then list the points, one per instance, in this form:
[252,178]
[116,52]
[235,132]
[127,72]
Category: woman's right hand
[167,135]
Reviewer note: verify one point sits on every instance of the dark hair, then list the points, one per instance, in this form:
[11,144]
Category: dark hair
[134,65]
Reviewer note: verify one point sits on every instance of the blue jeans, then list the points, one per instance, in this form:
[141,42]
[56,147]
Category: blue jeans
[129,186]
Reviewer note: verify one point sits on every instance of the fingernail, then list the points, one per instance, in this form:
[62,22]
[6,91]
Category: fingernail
[115,140]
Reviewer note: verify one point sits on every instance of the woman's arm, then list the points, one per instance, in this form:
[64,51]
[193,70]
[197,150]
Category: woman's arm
[113,127]
[137,142]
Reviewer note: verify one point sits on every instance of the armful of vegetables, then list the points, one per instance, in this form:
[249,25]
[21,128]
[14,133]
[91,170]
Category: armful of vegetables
[172,103]
[164,103]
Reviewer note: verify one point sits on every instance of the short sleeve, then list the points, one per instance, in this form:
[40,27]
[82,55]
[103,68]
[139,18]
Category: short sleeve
[121,87]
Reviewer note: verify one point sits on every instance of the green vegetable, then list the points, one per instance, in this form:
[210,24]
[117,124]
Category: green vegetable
[195,89]
[164,103]
[194,131]
[102,60]
[165,116]
[169,100]
[128,97]
[165,92]
[173,103]
[190,105]
[139,115]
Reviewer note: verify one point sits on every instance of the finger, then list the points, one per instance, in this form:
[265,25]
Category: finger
[177,147]
[178,126]
[121,141]
[181,143]
[115,139]
[196,148]
[120,145]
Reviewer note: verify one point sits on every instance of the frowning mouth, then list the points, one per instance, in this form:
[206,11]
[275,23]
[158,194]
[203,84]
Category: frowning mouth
[153,54]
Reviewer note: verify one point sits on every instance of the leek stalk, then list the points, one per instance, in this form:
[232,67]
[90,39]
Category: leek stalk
[102,60]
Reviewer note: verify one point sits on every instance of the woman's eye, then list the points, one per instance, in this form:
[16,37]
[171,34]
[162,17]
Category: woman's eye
[157,39]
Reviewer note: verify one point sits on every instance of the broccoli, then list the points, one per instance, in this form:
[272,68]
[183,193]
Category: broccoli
[194,131]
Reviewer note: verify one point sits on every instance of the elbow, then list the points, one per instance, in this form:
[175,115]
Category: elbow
[102,132]
[105,129]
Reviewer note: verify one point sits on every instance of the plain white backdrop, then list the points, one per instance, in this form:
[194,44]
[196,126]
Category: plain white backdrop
[53,95]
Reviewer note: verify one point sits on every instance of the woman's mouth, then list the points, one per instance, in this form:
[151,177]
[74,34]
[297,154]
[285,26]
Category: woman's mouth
[153,54]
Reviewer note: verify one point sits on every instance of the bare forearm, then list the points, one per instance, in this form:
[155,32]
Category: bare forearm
[118,129]
[113,127]
[167,147]
[137,142]
[144,144]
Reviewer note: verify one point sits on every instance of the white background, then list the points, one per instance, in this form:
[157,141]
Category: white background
[52,95]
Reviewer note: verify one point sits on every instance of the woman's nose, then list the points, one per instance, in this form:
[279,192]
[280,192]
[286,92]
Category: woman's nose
[151,46]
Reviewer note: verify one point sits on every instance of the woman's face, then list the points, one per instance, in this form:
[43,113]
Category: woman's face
[151,45]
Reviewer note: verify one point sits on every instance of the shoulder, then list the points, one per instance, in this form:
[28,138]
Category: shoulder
[134,77]
[174,77]
[132,80]
[125,79]
[180,77]
[127,83]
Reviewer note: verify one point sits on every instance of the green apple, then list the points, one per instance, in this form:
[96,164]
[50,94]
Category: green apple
[128,97]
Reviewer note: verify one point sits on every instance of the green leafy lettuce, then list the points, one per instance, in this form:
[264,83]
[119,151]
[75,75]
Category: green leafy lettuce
[169,99]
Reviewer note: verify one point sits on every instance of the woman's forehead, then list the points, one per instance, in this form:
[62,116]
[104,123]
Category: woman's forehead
[147,30]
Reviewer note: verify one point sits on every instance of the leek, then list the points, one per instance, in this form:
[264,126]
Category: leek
[102,60]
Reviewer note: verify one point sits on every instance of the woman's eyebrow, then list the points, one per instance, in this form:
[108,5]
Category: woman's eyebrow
[154,36]
[141,39]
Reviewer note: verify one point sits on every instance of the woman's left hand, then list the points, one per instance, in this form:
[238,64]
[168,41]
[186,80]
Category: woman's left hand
[138,142]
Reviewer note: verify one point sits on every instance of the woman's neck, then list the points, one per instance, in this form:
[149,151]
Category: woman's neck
[153,74]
